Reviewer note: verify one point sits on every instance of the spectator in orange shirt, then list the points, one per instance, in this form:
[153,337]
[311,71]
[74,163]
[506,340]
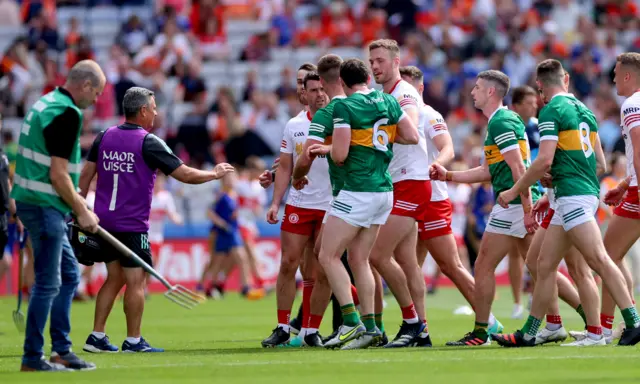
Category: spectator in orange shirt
[550,45]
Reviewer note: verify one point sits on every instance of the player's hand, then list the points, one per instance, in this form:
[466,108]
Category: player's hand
[530,222]
[547,180]
[299,184]
[540,208]
[266,179]
[437,172]
[505,198]
[276,164]
[222,169]
[88,221]
[318,150]
[272,214]
[614,196]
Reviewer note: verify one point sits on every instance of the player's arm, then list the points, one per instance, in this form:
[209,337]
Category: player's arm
[437,130]
[60,139]
[513,158]
[89,170]
[548,127]
[318,131]
[341,133]
[479,174]
[303,164]
[283,177]
[407,131]
[601,161]
[157,155]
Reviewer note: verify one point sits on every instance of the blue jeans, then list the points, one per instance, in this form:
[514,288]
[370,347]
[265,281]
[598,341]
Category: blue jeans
[56,278]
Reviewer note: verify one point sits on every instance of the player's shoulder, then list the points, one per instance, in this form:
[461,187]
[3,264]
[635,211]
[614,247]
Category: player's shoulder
[631,105]
[404,90]
[431,114]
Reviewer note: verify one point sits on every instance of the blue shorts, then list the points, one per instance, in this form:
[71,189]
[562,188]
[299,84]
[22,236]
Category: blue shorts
[226,241]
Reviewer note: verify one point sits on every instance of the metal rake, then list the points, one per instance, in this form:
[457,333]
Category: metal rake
[176,293]
[18,316]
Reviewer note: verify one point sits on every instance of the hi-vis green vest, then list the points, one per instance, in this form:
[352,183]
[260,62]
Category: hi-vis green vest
[31,182]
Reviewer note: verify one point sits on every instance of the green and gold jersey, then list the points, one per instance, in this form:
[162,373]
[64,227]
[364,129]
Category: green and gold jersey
[506,132]
[321,129]
[372,118]
[573,126]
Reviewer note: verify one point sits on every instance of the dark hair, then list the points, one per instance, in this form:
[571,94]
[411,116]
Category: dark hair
[499,80]
[630,59]
[550,72]
[329,68]
[134,99]
[387,44]
[313,75]
[308,67]
[520,93]
[354,71]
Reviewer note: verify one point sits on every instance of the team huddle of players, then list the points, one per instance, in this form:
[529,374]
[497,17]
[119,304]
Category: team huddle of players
[366,173]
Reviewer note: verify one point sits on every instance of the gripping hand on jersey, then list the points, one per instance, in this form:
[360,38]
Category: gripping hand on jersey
[318,150]
[547,180]
[300,183]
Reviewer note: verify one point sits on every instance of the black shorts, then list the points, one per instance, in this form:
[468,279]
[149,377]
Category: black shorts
[4,234]
[91,249]
[137,242]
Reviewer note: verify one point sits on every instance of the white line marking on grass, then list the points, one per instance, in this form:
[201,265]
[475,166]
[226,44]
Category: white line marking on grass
[363,361]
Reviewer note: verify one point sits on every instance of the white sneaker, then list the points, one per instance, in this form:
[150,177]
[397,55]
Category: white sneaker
[578,335]
[586,342]
[366,340]
[518,311]
[546,336]
[346,334]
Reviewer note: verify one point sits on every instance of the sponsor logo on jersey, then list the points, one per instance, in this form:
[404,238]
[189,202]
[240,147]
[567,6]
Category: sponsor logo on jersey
[298,134]
[630,110]
[293,218]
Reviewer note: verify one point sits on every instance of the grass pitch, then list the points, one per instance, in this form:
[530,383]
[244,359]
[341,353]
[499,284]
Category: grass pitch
[220,342]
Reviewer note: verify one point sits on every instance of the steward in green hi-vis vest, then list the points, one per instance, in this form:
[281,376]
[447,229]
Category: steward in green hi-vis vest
[32,183]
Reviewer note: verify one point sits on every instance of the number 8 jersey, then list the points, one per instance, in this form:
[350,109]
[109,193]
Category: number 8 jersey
[372,118]
[573,126]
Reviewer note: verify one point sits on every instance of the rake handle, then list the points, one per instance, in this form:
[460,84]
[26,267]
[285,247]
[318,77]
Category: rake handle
[117,244]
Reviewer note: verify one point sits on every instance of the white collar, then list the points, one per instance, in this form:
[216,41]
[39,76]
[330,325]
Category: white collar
[497,109]
[338,97]
[562,94]
[368,91]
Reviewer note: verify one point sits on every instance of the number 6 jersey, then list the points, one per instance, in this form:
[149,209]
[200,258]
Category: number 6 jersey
[372,118]
[573,126]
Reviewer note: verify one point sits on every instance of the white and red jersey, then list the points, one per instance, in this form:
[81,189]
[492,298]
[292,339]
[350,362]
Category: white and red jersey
[459,195]
[630,119]
[161,205]
[434,125]
[251,201]
[409,162]
[317,194]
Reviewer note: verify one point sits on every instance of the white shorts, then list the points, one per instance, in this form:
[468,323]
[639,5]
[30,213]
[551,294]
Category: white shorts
[507,221]
[572,211]
[362,209]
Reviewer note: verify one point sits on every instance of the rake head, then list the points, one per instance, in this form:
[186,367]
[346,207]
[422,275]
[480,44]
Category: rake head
[18,319]
[184,297]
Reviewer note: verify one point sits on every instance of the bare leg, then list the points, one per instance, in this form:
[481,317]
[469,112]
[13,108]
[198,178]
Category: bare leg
[107,295]
[134,300]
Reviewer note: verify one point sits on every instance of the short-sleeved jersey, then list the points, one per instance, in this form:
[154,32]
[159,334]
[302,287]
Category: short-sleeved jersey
[317,194]
[630,119]
[505,132]
[251,201]
[321,129]
[409,162]
[573,126]
[434,125]
[161,205]
[372,118]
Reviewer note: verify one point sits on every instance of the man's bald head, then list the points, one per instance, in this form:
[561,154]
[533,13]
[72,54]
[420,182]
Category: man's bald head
[83,71]
[85,82]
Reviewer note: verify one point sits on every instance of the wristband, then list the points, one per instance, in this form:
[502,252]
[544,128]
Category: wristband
[448,176]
